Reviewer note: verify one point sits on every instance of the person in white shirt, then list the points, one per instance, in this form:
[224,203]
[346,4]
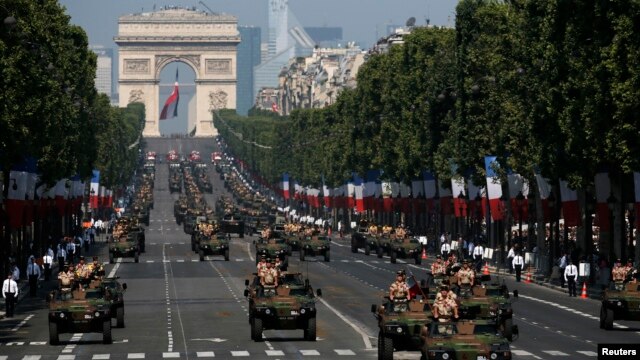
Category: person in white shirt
[445,249]
[15,272]
[10,294]
[33,272]
[478,252]
[563,265]
[510,256]
[570,275]
[518,265]
[62,255]
[47,262]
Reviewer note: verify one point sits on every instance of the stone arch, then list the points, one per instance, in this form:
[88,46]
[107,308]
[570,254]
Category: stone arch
[206,42]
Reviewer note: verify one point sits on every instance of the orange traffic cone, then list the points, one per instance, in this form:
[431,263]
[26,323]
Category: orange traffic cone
[424,254]
[485,271]
[584,291]
[528,279]
[329,231]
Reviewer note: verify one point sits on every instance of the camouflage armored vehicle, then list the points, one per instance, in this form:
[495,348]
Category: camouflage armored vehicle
[317,245]
[361,239]
[135,234]
[254,223]
[180,209]
[290,306]
[400,324]
[189,222]
[175,184]
[141,212]
[490,303]
[232,224]
[113,291]
[124,249]
[620,305]
[208,241]
[406,248]
[79,312]
[271,248]
[465,339]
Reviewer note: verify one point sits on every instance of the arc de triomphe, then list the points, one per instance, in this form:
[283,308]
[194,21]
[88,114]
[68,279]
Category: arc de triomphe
[147,42]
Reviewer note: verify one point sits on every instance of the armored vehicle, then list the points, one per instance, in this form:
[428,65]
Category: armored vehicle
[124,249]
[189,223]
[400,323]
[490,303]
[175,185]
[113,291]
[406,248]
[620,305]
[206,240]
[361,239]
[289,306]
[465,339]
[135,234]
[180,210]
[255,223]
[79,312]
[232,224]
[317,245]
[271,248]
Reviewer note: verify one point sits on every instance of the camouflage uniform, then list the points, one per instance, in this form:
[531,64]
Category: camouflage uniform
[438,268]
[466,276]
[399,290]
[444,309]
[618,275]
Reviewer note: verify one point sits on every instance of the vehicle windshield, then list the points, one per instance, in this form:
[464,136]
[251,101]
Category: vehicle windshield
[299,292]
[449,329]
[495,291]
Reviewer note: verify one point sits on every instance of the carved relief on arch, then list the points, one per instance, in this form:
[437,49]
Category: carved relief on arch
[191,60]
[136,95]
[217,100]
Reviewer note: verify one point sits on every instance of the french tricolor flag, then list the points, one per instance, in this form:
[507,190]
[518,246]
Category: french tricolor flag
[95,188]
[417,192]
[359,193]
[518,184]
[603,191]
[477,199]
[457,189]
[569,204]
[544,189]
[430,192]
[636,181]
[62,194]
[370,188]
[445,198]
[170,109]
[285,186]
[494,187]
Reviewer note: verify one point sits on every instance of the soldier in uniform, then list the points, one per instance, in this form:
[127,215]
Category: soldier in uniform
[466,277]
[438,267]
[386,230]
[444,307]
[373,230]
[66,278]
[399,289]
[96,269]
[269,278]
[618,275]
[262,265]
[400,232]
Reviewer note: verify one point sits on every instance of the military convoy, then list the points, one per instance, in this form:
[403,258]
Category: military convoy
[126,241]
[208,240]
[464,339]
[407,248]
[362,239]
[316,245]
[289,306]
[399,325]
[271,248]
[79,312]
[620,305]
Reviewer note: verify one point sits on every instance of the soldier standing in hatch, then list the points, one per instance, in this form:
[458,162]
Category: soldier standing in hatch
[466,276]
[399,289]
[438,268]
[444,307]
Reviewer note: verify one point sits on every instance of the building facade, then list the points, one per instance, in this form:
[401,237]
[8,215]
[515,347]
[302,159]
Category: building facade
[104,71]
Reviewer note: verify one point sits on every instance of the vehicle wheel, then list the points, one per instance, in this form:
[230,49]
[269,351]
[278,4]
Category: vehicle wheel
[53,334]
[393,256]
[136,259]
[226,255]
[367,249]
[603,315]
[507,329]
[386,348]
[289,250]
[302,254]
[201,254]
[120,317]
[608,319]
[241,235]
[418,259]
[327,256]
[310,331]
[256,329]
[354,247]
[110,258]
[193,246]
[106,332]
[379,252]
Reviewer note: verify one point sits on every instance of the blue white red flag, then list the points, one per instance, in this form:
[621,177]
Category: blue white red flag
[170,109]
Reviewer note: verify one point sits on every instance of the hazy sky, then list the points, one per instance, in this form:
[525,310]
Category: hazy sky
[358,18]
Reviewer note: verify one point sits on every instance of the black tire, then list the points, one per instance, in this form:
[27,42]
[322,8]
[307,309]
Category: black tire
[310,331]
[508,329]
[603,315]
[327,256]
[193,245]
[289,250]
[256,330]
[226,255]
[201,255]
[354,246]
[241,235]
[54,339]
[367,249]
[106,332]
[120,317]
[386,348]
[379,252]
[608,320]
[302,253]
[111,260]
[136,259]
[418,259]
[393,256]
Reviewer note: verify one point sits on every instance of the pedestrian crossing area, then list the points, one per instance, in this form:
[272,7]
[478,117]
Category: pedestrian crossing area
[546,354]
[199,355]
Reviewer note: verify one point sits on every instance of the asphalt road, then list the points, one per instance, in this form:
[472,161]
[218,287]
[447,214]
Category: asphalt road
[179,307]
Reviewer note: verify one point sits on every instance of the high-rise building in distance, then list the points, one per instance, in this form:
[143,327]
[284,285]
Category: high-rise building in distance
[324,36]
[104,72]
[249,56]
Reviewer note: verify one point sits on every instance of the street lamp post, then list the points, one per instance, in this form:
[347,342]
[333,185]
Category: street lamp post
[552,204]
[520,204]
[631,219]
[462,202]
[611,202]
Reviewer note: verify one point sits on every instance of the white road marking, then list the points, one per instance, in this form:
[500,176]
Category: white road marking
[101,357]
[344,352]
[239,353]
[365,337]
[22,323]
[135,356]
[274,352]
[309,353]
[113,271]
[31,357]
[66,357]
[588,353]
[38,343]
[170,355]
[249,252]
[555,353]
[202,354]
